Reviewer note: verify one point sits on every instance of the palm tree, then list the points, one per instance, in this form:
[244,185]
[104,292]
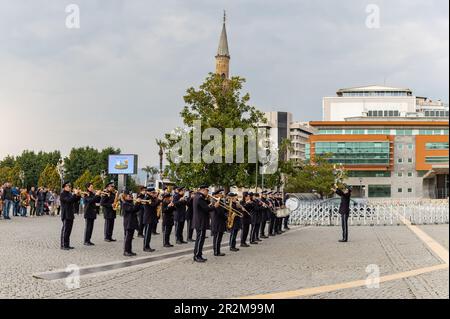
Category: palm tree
[162,146]
[151,171]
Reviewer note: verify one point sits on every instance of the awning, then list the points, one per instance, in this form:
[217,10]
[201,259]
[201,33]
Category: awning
[436,170]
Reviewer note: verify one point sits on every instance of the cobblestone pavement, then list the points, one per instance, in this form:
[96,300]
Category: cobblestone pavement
[300,258]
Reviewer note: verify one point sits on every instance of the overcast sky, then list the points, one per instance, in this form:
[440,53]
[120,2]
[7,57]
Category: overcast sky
[119,79]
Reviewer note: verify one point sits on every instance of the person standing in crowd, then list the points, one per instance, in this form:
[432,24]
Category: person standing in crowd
[24,200]
[201,220]
[189,214]
[109,213]
[140,215]
[51,200]
[67,215]
[237,224]
[286,219]
[91,210]
[344,209]
[256,219]
[218,223]
[16,200]
[32,195]
[130,221]
[180,214]
[265,215]
[167,210]
[41,195]
[7,198]
[149,217]
[247,203]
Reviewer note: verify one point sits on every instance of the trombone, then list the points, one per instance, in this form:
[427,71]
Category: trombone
[229,208]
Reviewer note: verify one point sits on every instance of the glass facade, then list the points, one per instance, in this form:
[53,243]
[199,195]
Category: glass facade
[384,113]
[398,132]
[379,190]
[307,151]
[436,159]
[369,174]
[354,153]
[376,93]
[437,146]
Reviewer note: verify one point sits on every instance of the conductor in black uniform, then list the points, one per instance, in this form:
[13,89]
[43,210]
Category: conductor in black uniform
[130,221]
[218,223]
[167,218]
[344,209]
[109,213]
[140,215]
[248,204]
[68,199]
[150,216]
[189,215]
[91,209]
[201,209]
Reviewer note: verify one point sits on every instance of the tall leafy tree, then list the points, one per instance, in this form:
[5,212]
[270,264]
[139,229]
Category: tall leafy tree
[218,103]
[50,178]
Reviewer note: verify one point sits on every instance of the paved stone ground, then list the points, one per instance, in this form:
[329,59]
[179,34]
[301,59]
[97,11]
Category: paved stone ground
[300,258]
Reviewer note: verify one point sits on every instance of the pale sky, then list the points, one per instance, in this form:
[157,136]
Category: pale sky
[119,79]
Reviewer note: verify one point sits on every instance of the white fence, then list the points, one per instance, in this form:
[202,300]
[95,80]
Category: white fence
[374,213]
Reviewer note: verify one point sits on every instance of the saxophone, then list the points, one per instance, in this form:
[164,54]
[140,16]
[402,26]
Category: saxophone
[230,216]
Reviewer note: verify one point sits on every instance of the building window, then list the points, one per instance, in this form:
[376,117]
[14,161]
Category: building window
[410,146]
[368,174]
[354,153]
[410,174]
[400,190]
[410,190]
[379,190]
[437,146]
[399,174]
[436,159]
[410,160]
[400,160]
[400,146]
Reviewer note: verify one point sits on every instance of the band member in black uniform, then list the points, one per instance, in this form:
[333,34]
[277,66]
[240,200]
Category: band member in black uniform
[179,215]
[130,221]
[167,210]
[344,209]
[256,219]
[189,215]
[141,195]
[67,216]
[149,216]
[247,203]
[285,219]
[273,216]
[218,223]
[265,215]
[156,220]
[201,207]
[109,213]
[279,220]
[237,224]
[91,209]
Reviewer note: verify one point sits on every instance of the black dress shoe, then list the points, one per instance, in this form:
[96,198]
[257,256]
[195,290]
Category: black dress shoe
[70,247]
[343,240]
[257,239]
[168,245]
[141,236]
[234,249]
[155,233]
[88,244]
[264,236]
[245,245]
[254,243]
[179,242]
[199,260]
[65,248]
[184,242]
[149,250]
[113,239]
[127,254]
[219,254]
[191,240]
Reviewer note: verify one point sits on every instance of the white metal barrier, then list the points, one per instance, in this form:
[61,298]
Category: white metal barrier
[385,213]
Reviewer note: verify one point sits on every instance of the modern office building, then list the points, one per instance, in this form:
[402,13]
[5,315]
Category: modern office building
[392,143]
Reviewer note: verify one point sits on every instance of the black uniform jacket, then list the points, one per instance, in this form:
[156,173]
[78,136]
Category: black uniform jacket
[219,219]
[344,207]
[249,207]
[107,203]
[201,209]
[67,201]
[150,211]
[129,211]
[180,208]
[167,214]
[90,206]
[190,209]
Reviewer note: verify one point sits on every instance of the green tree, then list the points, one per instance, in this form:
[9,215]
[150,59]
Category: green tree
[218,103]
[85,178]
[98,182]
[5,173]
[50,178]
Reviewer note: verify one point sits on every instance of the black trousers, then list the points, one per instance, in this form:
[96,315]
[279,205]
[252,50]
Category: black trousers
[199,242]
[278,223]
[32,208]
[109,228]
[88,230]
[65,232]
[286,222]
[190,230]
[147,235]
[154,226]
[344,222]
[129,233]
[233,236]
[272,223]
[217,242]
[179,227]
[254,233]
[140,216]
[167,230]
[262,228]
[244,233]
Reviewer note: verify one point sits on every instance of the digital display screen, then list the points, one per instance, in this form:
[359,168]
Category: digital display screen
[122,164]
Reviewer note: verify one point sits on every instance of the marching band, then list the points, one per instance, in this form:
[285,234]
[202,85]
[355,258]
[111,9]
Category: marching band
[218,212]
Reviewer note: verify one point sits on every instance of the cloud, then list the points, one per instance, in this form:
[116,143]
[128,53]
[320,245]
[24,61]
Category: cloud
[120,78]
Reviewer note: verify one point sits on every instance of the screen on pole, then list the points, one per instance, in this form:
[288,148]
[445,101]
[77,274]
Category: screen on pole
[122,164]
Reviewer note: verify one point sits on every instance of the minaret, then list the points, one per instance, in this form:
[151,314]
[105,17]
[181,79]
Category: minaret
[223,56]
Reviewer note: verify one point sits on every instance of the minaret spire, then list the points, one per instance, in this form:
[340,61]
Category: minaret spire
[223,54]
